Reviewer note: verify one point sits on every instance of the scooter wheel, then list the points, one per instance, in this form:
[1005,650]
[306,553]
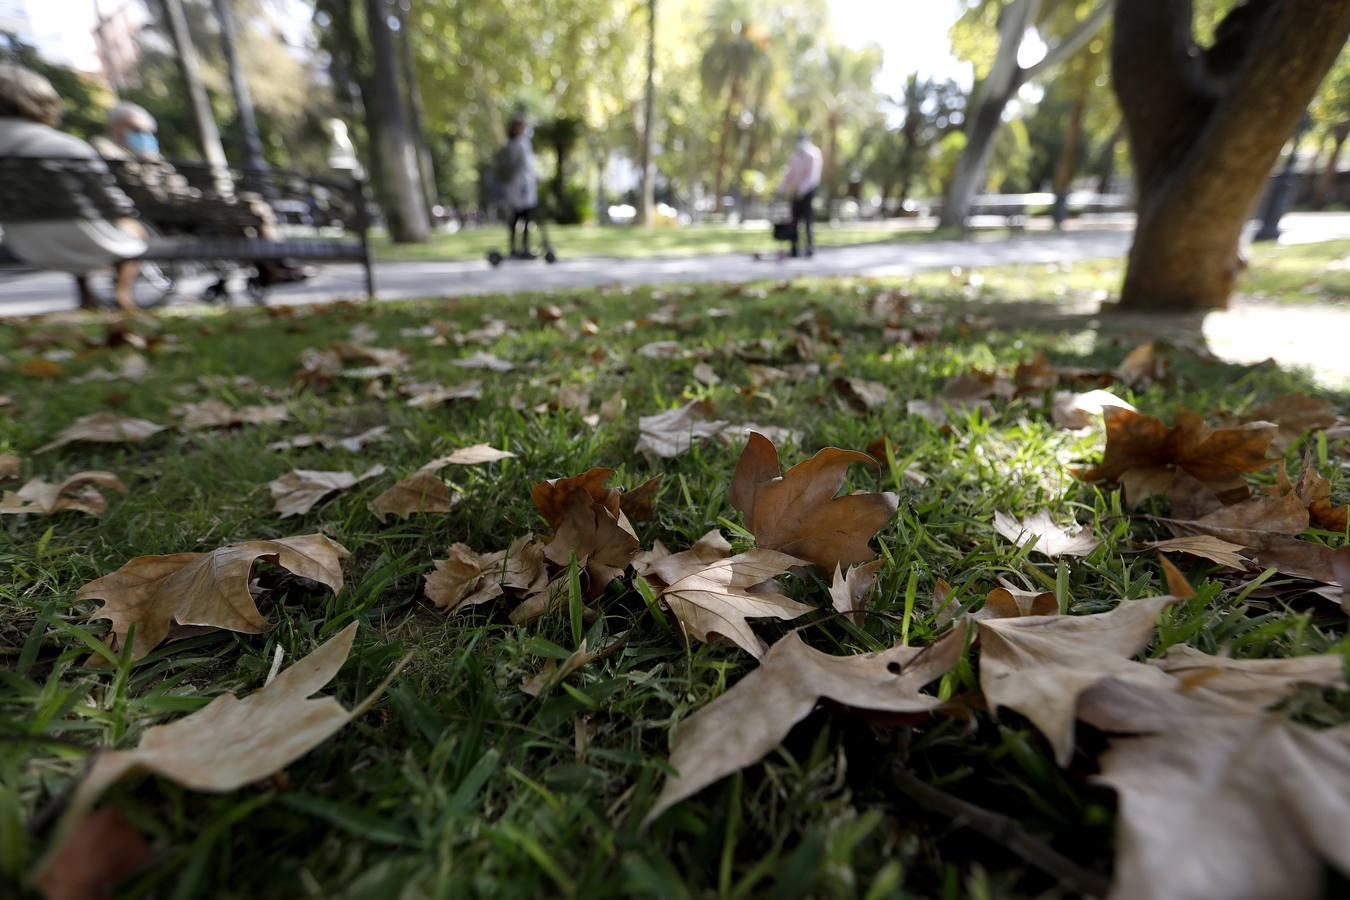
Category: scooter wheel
[494,258]
[550,257]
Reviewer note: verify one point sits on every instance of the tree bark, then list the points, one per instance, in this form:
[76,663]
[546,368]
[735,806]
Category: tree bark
[189,67]
[399,185]
[426,169]
[1068,156]
[647,186]
[985,111]
[1205,129]
[254,160]
[1326,177]
[724,141]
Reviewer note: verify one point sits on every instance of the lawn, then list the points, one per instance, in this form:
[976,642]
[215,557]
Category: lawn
[625,242]
[459,783]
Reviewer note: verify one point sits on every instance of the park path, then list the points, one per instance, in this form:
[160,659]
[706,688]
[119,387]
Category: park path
[1309,336]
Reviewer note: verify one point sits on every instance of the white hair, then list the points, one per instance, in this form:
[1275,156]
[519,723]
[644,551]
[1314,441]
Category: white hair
[129,113]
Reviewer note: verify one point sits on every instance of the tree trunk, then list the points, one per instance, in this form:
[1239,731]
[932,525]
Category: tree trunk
[984,113]
[189,67]
[1204,131]
[243,99]
[647,186]
[426,170]
[1106,162]
[724,141]
[399,185]
[1068,157]
[1326,178]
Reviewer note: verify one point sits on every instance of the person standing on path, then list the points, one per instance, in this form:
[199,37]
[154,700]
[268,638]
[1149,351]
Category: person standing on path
[520,184]
[799,185]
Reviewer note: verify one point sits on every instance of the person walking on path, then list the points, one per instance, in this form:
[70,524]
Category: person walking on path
[799,185]
[520,184]
[30,109]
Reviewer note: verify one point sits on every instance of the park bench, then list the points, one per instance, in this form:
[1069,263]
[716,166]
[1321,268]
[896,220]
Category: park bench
[335,225]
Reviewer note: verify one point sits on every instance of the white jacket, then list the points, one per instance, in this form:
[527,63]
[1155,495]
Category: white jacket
[76,246]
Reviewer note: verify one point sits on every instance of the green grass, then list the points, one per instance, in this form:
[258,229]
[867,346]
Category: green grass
[459,784]
[1297,273]
[627,242]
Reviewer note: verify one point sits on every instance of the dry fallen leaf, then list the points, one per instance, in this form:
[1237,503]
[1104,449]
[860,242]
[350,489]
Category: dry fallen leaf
[421,492]
[232,742]
[797,513]
[297,492]
[637,504]
[209,589]
[1075,411]
[740,727]
[1039,665]
[1142,366]
[597,533]
[848,592]
[41,367]
[1009,602]
[1220,800]
[863,396]
[474,455]
[467,578]
[714,598]
[353,443]
[670,433]
[104,428]
[78,493]
[424,394]
[97,852]
[706,374]
[217,414]
[1205,546]
[1254,682]
[10,466]
[483,360]
[1144,454]
[1296,414]
[1052,541]
[553,674]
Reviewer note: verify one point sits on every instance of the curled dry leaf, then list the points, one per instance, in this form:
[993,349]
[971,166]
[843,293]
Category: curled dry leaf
[10,466]
[104,428]
[1052,540]
[467,578]
[1144,454]
[705,374]
[670,433]
[78,493]
[637,504]
[1253,682]
[1074,411]
[1010,602]
[425,394]
[1142,366]
[297,492]
[232,742]
[796,512]
[1220,800]
[209,589]
[474,455]
[740,727]
[97,852]
[1205,546]
[848,592]
[217,414]
[1039,665]
[714,598]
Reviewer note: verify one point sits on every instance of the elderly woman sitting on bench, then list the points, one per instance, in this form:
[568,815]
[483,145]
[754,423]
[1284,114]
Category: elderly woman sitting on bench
[30,109]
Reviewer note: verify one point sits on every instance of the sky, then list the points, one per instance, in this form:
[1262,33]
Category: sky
[911,33]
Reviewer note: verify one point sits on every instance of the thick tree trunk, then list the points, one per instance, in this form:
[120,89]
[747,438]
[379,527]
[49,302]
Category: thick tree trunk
[399,183]
[1204,132]
[1105,169]
[426,169]
[1326,177]
[973,164]
[1068,156]
[189,67]
[243,98]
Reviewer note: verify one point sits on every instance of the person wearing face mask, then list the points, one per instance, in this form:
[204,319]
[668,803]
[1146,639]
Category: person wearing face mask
[132,141]
[30,110]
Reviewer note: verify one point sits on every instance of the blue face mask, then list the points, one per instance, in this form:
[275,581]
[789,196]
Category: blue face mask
[143,143]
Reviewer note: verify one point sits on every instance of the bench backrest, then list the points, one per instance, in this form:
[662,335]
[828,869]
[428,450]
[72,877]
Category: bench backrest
[48,189]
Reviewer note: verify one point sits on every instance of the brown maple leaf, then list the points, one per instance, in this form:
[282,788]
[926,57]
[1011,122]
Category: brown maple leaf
[10,466]
[209,589]
[796,512]
[1145,455]
[467,578]
[743,725]
[1052,541]
[848,592]
[666,435]
[1296,414]
[95,853]
[421,492]
[78,493]
[589,524]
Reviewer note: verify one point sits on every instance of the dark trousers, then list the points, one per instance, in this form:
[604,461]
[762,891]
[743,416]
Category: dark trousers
[804,221]
[522,218]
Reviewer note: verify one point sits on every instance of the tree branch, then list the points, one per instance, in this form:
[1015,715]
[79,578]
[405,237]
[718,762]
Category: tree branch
[1002,830]
[1083,32]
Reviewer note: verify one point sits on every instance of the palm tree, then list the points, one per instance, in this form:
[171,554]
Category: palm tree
[738,49]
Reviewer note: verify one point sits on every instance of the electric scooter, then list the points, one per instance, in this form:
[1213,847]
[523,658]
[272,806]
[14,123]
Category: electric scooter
[495,257]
